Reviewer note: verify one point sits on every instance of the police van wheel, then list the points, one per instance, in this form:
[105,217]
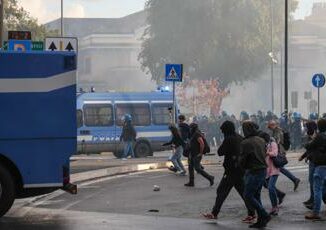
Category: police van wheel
[7,190]
[143,149]
[118,154]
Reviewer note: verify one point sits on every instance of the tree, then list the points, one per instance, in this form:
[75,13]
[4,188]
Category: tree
[16,18]
[227,40]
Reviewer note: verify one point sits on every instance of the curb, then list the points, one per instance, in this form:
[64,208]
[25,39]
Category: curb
[109,172]
[121,170]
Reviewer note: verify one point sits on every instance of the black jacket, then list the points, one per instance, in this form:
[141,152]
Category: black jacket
[128,132]
[176,141]
[253,149]
[230,148]
[317,149]
[194,144]
[184,131]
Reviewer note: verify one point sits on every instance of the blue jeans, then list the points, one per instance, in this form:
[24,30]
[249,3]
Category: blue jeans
[319,186]
[288,174]
[128,149]
[272,190]
[176,159]
[254,182]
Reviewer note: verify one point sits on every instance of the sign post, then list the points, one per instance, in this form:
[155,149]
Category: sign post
[318,81]
[173,73]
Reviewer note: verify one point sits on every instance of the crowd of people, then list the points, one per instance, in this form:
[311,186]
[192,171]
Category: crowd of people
[293,123]
[254,149]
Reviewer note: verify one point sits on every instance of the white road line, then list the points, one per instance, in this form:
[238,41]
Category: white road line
[160,176]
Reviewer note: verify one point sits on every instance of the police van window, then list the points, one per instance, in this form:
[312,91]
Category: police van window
[161,114]
[79,118]
[98,115]
[140,114]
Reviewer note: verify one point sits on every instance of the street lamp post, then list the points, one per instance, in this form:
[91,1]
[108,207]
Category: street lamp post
[1,22]
[286,87]
[272,62]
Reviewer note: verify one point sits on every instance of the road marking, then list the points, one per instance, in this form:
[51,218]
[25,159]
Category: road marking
[160,176]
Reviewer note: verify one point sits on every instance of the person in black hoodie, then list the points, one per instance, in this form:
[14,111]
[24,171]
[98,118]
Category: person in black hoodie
[196,153]
[252,160]
[233,174]
[317,148]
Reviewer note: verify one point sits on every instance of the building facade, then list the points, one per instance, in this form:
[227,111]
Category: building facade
[108,52]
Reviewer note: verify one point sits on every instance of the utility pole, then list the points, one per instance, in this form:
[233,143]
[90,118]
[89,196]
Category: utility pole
[61,22]
[286,86]
[1,22]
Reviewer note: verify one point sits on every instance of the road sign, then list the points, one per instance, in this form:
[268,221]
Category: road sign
[61,44]
[318,80]
[173,72]
[36,46]
[20,45]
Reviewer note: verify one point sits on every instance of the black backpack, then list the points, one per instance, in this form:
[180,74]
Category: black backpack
[286,140]
[207,148]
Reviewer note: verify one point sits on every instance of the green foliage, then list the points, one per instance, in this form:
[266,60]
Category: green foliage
[16,18]
[225,39]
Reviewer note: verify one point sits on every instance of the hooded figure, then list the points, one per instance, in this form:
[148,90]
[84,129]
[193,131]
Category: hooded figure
[233,175]
[252,159]
[230,148]
[196,152]
[250,129]
[253,151]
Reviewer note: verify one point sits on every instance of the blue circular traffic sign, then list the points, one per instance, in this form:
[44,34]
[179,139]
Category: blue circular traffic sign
[318,80]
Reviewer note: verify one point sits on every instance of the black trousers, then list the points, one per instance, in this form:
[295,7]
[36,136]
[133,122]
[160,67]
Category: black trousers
[194,164]
[229,181]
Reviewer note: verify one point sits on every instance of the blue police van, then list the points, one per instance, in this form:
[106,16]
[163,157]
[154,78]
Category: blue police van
[37,123]
[100,120]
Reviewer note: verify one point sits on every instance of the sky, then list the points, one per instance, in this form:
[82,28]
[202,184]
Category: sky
[48,10]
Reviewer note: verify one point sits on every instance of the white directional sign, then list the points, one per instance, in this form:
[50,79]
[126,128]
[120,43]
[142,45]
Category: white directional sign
[69,44]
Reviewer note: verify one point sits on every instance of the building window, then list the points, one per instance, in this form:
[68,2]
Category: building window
[140,114]
[98,115]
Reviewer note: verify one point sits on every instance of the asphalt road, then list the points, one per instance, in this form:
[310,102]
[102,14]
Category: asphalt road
[129,202]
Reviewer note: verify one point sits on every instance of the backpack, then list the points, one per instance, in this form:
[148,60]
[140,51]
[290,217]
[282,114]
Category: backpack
[207,148]
[280,160]
[286,140]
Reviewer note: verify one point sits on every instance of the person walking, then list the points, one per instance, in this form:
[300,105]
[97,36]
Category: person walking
[184,128]
[128,136]
[252,160]
[196,153]
[233,174]
[178,144]
[277,134]
[275,195]
[311,127]
[318,156]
